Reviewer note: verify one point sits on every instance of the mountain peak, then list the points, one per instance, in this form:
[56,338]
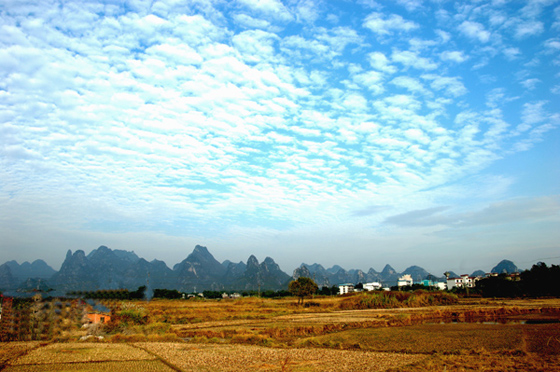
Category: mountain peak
[199,249]
[335,269]
[505,266]
[388,270]
[252,261]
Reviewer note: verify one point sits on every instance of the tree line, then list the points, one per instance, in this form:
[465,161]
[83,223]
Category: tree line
[111,294]
[539,281]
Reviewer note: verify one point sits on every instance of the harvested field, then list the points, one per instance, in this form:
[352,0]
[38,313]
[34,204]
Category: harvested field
[11,350]
[132,366]
[234,358]
[276,335]
[427,338]
[483,361]
[90,357]
[83,352]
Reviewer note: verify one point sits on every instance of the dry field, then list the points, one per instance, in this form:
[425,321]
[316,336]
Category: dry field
[91,357]
[239,358]
[276,335]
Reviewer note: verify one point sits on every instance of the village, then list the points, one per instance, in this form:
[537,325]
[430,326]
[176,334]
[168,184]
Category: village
[404,281]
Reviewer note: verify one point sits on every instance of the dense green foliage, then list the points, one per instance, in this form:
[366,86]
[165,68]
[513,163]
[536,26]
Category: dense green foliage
[111,294]
[540,281]
[167,293]
[328,291]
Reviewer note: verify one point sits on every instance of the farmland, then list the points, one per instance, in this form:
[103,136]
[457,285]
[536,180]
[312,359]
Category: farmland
[329,333]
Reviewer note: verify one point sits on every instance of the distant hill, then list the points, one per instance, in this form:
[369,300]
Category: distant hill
[478,273]
[37,269]
[105,268]
[505,267]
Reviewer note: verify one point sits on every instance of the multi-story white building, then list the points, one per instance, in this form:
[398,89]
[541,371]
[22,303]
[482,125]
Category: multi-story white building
[345,288]
[462,282]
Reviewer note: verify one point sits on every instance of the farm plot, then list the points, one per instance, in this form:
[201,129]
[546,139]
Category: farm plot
[234,358]
[137,366]
[11,350]
[426,338]
[91,357]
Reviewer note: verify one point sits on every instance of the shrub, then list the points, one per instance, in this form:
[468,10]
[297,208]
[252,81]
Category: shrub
[391,300]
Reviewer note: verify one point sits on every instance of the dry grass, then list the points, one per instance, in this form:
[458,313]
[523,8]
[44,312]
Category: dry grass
[82,352]
[91,357]
[234,358]
[12,350]
[143,366]
[264,334]
[483,361]
[251,308]
[426,338]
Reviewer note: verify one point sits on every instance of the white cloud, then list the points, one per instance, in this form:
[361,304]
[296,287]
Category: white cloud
[474,30]
[403,100]
[250,22]
[271,8]
[526,29]
[411,59]
[511,53]
[255,45]
[417,135]
[410,5]
[494,214]
[552,45]
[409,83]
[382,25]
[451,85]
[453,56]
[307,11]
[380,62]
[533,113]
[372,80]
[531,84]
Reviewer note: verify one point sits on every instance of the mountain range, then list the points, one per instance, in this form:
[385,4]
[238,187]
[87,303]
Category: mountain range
[104,268]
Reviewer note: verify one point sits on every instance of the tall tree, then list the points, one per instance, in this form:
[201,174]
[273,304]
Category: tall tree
[302,287]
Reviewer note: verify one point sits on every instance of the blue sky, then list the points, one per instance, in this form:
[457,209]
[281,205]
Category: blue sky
[338,132]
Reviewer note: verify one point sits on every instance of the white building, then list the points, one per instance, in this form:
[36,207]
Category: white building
[462,282]
[405,280]
[373,286]
[345,288]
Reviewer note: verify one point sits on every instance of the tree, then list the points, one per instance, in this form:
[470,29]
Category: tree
[302,287]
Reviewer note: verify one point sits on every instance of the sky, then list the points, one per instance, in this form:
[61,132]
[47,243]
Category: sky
[357,133]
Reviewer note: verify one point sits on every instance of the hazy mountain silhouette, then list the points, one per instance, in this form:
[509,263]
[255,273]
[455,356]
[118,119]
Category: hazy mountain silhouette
[505,267]
[104,268]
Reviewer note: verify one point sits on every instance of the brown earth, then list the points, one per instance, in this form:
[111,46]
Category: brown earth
[276,335]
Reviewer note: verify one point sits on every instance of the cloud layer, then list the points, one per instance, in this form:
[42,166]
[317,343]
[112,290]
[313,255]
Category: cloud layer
[232,121]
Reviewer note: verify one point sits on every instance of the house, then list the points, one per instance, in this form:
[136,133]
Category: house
[462,282]
[97,318]
[373,286]
[233,295]
[345,288]
[405,280]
